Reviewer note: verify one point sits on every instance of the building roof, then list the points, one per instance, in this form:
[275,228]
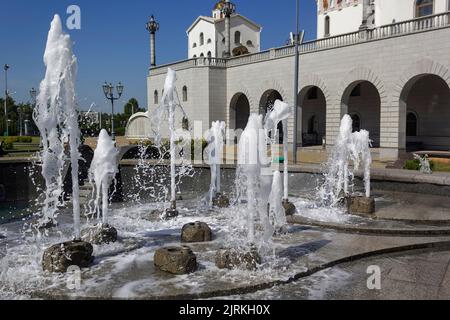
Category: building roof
[216,21]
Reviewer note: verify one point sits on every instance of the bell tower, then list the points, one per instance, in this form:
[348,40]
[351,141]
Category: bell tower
[217,11]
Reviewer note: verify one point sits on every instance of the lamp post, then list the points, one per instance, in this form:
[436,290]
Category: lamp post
[33,95]
[108,90]
[152,26]
[298,39]
[6,67]
[227,10]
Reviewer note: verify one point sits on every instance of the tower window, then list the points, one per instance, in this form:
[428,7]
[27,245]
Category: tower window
[424,8]
[237,37]
[194,45]
[202,39]
[155,97]
[327,26]
[185,93]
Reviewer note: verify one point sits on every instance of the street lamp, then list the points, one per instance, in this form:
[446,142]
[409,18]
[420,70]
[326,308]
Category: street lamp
[33,95]
[6,67]
[228,9]
[152,26]
[108,90]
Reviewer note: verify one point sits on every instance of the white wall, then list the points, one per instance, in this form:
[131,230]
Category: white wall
[346,20]
[401,10]
[247,30]
[194,37]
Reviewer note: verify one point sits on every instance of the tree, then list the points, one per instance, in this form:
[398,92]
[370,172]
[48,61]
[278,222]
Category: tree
[131,107]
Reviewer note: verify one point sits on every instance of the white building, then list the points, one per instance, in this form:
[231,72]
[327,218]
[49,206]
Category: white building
[392,78]
[336,17]
[206,36]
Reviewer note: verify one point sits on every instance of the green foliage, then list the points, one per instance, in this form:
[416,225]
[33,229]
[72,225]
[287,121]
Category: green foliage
[130,106]
[414,165]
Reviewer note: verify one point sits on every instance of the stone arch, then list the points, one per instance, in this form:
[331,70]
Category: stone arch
[418,69]
[267,99]
[139,126]
[305,112]
[239,111]
[360,74]
[271,85]
[373,101]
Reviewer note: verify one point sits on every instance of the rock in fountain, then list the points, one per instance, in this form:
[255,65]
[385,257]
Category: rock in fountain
[176,260]
[349,148]
[57,120]
[214,152]
[234,258]
[196,232]
[103,169]
[60,257]
[281,113]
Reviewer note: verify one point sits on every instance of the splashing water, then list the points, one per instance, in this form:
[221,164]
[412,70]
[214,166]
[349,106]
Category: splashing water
[57,120]
[214,152]
[179,139]
[425,164]
[253,177]
[349,147]
[103,170]
[279,113]
[276,210]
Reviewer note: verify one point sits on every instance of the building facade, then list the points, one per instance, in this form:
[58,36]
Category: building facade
[393,79]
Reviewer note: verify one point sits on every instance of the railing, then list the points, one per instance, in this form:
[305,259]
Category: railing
[427,23]
[436,21]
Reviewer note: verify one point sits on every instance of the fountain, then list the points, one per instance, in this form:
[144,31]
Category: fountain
[57,120]
[169,105]
[281,113]
[214,152]
[424,163]
[256,185]
[350,147]
[103,170]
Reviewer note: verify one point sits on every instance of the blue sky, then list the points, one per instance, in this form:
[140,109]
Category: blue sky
[113,44]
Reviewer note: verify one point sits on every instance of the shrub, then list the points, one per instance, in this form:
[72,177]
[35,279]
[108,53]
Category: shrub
[25,139]
[415,165]
[8,145]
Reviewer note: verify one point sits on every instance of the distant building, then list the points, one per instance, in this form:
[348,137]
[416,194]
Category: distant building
[337,17]
[206,36]
[384,62]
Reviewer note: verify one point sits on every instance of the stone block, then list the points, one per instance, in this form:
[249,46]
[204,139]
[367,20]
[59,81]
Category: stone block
[100,234]
[176,260]
[196,232]
[235,258]
[362,205]
[60,257]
